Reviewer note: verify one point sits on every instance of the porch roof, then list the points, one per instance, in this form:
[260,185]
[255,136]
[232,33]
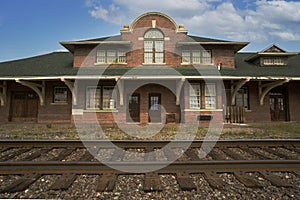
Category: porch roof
[59,64]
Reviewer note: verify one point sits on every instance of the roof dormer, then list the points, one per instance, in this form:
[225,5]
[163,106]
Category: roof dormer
[271,56]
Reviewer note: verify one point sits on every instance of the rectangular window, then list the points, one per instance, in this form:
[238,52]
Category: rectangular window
[100,98]
[274,61]
[186,57]
[210,96]
[108,101]
[111,56]
[196,57]
[60,95]
[93,98]
[208,99]
[241,98]
[195,96]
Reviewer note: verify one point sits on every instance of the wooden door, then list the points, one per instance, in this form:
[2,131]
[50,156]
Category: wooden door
[154,108]
[277,107]
[24,106]
[133,114]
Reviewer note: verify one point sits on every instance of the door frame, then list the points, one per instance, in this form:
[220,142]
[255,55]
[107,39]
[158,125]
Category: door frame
[159,119]
[138,112]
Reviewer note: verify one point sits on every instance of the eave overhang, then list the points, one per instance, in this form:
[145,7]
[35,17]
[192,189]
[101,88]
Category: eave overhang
[237,45]
[270,54]
[71,45]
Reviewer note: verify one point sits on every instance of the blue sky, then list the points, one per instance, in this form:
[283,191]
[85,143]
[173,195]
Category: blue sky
[34,27]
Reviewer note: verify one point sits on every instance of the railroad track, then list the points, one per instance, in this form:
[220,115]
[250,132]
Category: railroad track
[246,160]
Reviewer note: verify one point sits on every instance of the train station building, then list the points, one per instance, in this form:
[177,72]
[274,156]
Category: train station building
[152,72]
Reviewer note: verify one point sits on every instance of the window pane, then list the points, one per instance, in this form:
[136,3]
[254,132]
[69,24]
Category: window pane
[148,57]
[159,46]
[210,96]
[148,46]
[108,101]
[60,94]
[100,56]
[210,89]
[210,102]
[196,56]
[111,56]
[154,34]
[159,57]
[186,57]
[206,57]
[121,56]
[195,96]
[93,98]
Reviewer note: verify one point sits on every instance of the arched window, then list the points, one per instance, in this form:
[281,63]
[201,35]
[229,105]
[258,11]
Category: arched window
[153,46]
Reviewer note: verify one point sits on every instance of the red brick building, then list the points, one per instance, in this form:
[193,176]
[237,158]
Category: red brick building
[153,72]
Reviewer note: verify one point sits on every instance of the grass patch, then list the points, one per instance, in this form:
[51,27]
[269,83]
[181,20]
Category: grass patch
[280,130]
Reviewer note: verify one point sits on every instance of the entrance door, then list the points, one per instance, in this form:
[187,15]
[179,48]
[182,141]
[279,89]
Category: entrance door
[24,106]
[134,108]
[154,108]
[277,107]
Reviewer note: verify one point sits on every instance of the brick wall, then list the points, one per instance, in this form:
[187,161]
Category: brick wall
[55,112]
[294,101]
[135,57]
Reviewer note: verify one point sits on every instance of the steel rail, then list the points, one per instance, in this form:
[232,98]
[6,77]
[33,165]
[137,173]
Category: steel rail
[148,143]
[58,167]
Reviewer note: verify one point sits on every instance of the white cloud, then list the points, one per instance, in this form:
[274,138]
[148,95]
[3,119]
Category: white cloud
[266,20]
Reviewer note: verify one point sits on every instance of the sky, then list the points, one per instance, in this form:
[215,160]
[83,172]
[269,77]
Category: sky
[34,27]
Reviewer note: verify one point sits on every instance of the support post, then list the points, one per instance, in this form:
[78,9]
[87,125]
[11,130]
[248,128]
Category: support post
[265,88]
[179,85]
[235,88]
[38,88]
[71,85]
[120,85]
[3,93]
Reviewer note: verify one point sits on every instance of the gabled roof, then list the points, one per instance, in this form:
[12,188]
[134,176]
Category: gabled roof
[52,64]
[195,40]
[116,39]
[60,64]
[271,51]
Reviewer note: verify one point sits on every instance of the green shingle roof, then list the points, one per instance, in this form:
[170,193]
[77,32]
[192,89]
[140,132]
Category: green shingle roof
[61,64]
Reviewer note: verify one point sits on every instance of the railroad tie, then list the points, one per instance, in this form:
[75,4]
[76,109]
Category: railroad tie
[293,148]
[255,153]
[36,154]
[214,180]
[106,182]
[13,154]
[63,154]
[216,155]
[232,154]
[118,155]
[170,155]
[186,182]
[149,154]
[275,180]
[278,153]
[86,156]
[152,182]
[64,182]
[192,154]
[247,180]
[22,183]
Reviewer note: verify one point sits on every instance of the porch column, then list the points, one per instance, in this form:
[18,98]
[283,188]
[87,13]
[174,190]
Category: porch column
[38,88]
[235,88]
[265,88]
[71,85]
[120,85]
[3,87]
[179,85]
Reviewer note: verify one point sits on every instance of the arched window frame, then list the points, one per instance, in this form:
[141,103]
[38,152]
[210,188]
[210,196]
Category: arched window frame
[154,46]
